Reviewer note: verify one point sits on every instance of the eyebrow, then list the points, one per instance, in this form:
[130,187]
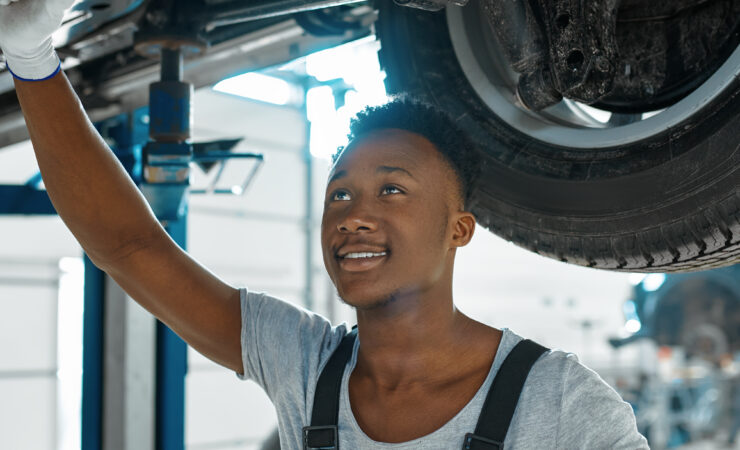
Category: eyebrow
[391,169]
[381,169]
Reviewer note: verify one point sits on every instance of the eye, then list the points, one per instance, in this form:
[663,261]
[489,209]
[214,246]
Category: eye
[387,190]
[339,196]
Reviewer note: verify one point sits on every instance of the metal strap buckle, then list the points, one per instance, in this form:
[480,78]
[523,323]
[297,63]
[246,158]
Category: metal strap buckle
[475,442]
[320,437]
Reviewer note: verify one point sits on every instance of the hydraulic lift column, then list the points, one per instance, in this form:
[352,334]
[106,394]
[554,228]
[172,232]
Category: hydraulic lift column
[168,154]
[166,180]
[144,363]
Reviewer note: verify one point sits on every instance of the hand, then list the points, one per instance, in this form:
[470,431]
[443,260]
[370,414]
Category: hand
[26,27]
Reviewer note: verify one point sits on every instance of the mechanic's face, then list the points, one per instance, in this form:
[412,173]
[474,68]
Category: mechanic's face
[389,225]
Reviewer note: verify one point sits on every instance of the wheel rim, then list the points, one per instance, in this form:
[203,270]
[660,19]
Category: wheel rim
[568,123]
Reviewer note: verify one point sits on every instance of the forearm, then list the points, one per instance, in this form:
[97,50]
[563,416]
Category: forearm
[99,202]
[105,211]
[89,188]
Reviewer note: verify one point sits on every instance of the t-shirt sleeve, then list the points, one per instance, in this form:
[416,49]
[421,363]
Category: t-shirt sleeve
[593,415]
[283,346]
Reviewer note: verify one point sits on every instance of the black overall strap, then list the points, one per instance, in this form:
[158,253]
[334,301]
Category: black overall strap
[498,409]
[322,434]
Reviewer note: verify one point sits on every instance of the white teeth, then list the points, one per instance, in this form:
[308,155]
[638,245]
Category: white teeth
[363,255]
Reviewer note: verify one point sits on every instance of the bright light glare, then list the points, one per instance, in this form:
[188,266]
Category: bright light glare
[636,278]
[650,114]
[327,132]
[355,62]
[653,282]
[357,65]
[260,87]
[319,103]
[598,114]
[633,325]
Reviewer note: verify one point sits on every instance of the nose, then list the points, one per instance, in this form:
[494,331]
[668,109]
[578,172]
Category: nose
[358,218]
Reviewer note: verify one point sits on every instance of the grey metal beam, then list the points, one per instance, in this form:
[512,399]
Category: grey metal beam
[263,48]
[129,373]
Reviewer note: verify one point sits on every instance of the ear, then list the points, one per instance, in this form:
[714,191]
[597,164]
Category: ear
[463,228]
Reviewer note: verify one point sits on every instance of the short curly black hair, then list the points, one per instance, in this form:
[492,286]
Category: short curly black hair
[410,114]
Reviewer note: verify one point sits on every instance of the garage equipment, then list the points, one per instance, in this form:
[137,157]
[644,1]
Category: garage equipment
[128,359]
[694,318]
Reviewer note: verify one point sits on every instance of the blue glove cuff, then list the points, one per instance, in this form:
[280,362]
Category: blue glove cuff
[56,71]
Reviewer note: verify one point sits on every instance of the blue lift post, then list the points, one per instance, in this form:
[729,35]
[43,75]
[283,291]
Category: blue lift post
[150,164]
[126,135]
[172,366]
[153,145]
[165,183]
[92,358]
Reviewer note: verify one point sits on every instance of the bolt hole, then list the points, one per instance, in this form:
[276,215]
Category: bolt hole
[100,6]
[562,21]
[575,59]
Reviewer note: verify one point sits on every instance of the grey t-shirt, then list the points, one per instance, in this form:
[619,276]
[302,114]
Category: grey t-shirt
[564,405]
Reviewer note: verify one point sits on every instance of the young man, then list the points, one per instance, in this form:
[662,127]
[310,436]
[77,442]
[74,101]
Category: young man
[418,373]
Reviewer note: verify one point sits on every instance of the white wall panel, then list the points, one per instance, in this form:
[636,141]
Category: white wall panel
[28,328]
[23,164]
[217,113]
[28,413]
[266,253]
[30,249]
[277,189]
[503,285]
[34,237]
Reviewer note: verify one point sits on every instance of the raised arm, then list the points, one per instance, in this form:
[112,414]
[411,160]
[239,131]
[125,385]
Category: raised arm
[106,212]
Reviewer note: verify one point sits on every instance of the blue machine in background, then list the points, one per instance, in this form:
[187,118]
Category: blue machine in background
[693,390]
[699,311]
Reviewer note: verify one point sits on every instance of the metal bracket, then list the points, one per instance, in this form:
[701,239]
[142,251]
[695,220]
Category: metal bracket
[320,437]
[221,157]
[583,47]
[562,48]
[473,441]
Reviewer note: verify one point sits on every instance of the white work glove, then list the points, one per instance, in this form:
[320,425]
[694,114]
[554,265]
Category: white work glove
[26,27]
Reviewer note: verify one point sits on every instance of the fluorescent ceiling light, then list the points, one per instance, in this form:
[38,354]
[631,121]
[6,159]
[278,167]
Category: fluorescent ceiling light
[260,87]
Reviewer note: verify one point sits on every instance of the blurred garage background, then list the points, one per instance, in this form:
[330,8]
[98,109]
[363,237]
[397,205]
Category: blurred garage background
[667,343]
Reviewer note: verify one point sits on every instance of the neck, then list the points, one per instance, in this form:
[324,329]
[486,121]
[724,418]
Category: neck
[414,335]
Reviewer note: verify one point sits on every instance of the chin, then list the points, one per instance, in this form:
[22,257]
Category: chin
[371,295]
[365,299]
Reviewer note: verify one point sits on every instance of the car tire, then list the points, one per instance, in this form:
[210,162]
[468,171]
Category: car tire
[667,203]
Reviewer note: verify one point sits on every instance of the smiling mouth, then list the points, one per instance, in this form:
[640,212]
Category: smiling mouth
[363,255]
[361,261]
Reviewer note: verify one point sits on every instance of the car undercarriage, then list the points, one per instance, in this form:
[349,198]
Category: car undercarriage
[653,186]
